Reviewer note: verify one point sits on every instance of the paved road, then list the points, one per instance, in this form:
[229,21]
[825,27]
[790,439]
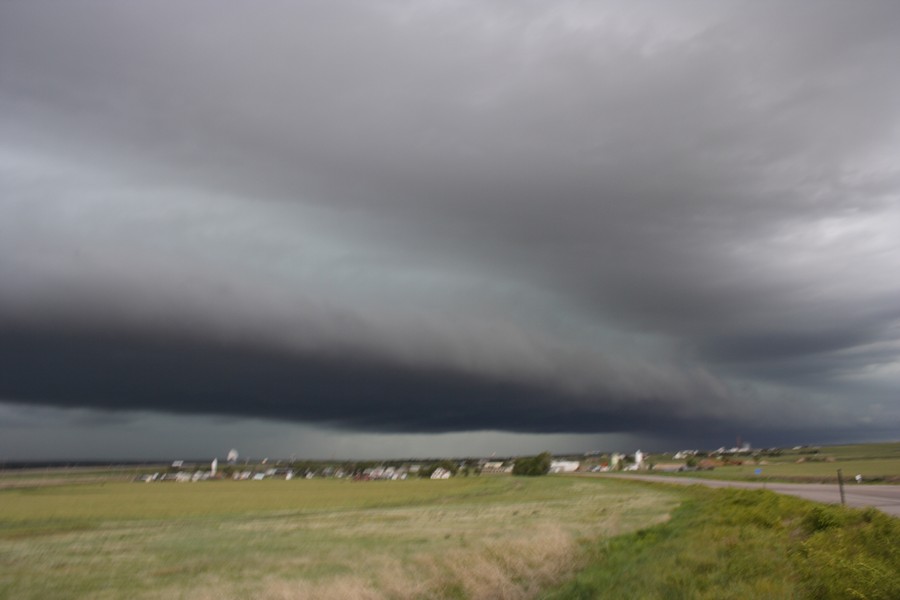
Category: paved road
[885,498]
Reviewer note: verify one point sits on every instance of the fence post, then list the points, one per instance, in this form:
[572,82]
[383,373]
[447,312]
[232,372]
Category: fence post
[841,485]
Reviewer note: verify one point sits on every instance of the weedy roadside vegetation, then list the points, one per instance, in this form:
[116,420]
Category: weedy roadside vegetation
[730,543]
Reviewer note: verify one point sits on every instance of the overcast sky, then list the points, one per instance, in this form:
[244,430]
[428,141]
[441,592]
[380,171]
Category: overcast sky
[446,228]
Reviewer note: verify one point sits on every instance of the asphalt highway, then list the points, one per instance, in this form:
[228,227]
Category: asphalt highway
[885,498]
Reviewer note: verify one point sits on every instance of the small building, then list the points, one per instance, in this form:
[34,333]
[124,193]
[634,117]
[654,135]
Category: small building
[440,473]
[668,467]
[564,466]
[495,468]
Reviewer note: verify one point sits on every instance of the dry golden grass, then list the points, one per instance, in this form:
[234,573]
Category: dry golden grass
[504,538]
[516,568]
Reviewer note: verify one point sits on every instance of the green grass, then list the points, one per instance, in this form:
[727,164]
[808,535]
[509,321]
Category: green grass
[727,543]
[466,537]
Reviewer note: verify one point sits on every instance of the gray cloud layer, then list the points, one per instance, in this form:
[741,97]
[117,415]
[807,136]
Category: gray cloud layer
[445,217]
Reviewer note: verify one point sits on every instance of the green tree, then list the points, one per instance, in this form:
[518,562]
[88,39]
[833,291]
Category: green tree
[532,466]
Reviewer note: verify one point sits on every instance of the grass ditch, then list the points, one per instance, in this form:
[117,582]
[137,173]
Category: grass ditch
[732,543]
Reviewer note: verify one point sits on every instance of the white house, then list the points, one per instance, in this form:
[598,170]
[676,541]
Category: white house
[440,473]
[564,466]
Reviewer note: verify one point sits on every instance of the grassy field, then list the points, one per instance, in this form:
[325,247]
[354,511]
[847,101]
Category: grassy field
[873,471]
[852,451]
[14,478]
[877,463]
[477,537]
[86,533]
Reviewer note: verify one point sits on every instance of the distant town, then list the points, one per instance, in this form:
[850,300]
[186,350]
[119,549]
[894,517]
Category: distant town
[245,469]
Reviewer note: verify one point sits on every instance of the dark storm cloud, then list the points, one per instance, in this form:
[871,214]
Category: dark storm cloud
[183,376]
[440,216]
[193,376]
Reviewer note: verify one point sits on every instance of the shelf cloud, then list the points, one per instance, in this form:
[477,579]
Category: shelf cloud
[428,217]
